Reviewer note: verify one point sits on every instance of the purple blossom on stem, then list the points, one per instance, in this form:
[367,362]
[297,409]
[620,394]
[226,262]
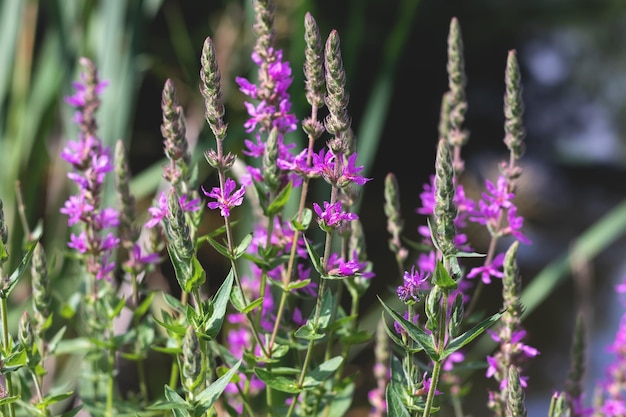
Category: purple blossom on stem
[414,284]
[332,216]
[226,199]
[75,207]
[78,99]
[489,270]
[91,162]
[274,108]
[496,207]
[350,268]
[324,164]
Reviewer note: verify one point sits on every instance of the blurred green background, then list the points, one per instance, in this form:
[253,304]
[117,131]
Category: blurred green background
[573,72]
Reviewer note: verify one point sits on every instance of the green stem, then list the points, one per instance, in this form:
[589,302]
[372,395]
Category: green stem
[5,346]
[441,344]
[110,382]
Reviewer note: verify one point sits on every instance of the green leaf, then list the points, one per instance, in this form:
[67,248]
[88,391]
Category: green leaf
[72,412]
[340,403]
[220,303]
[243,246]
[209,396]
[328,300]
[220,248]
[304,223]
[322,372]
[9,400]
[307,332]
[315,258]
[279,202]
[17,274]
[3,253]
[356,337]
[72,346]
[395,405]
[442,279]
[174,327]
[54,341]
[189,272]
[414,332]
[278,382]
[14,361]
[462,340]
[173,402]
[173,302]
[143,307]
[253,304]
[296,285]
[236,297]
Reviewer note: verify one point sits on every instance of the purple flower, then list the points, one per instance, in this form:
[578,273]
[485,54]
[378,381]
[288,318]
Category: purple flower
[614,407]
[78,242]
[414,284]
[74,208]
[332,215]
[455,357]
[226,199]
[158,212]
[349,173]
[324,165]
[189,205]
[489,270]
[492,368]
[351,268]
[78,99]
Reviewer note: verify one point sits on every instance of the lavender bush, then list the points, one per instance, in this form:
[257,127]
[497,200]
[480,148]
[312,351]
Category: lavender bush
[274,336]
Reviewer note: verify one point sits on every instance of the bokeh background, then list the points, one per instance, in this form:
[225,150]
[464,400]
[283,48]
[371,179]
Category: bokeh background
[573,69]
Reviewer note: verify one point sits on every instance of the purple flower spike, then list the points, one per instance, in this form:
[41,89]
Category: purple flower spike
[227,199]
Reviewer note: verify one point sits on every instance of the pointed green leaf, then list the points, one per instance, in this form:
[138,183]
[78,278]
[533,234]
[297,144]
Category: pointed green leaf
[395,405]
[9,400]
[315,258]
[339,404]
[220,303]
[458,342]
[304,223]
[189,272]
[328,300]
[210,394]
[414,332]
[143,307]
[236,297]
[14,361]
[322,372]
[253,304]
[278,382]
[279,202]
[243,246]
[296,285]
[17,274]
[307,332]
[219,247]
[442,279]
[3,253]
[72,412]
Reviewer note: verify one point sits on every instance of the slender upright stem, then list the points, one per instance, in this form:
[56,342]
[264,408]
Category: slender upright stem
[5,346]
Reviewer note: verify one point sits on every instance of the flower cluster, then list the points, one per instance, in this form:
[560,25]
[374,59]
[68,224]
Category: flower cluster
[91,162]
